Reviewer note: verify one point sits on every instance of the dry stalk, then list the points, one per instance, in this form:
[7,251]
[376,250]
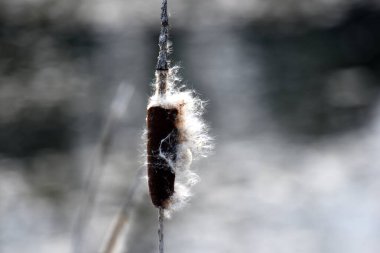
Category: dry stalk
[89,193]
[160,230]
[124,214]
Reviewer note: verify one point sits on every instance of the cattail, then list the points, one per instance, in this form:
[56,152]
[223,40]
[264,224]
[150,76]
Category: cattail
[175,132]
[162,153]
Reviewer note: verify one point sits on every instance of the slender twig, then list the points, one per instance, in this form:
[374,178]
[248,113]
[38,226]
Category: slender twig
[124,214]
[117,111]
[162,67]
[119,225]
[162,61]
[160,230]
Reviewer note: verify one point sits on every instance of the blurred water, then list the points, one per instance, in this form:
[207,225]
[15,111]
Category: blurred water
[292,92]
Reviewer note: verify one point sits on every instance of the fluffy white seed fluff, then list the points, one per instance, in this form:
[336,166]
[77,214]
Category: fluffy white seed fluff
[194,141]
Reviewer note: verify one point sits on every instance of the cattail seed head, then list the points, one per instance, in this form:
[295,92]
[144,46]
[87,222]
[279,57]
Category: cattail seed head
[176,135]
[175,132]
[162,153]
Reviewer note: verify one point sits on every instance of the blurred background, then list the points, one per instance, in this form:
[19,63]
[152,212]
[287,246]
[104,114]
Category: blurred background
[292,89]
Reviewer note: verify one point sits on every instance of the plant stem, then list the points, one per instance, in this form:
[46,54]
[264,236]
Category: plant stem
[88,195]
[162,69]
[162,66]
[115,233]
[160,230]
[162,61]
[124,214]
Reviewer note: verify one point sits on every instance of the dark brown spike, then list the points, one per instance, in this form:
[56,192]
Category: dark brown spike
[161,148]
